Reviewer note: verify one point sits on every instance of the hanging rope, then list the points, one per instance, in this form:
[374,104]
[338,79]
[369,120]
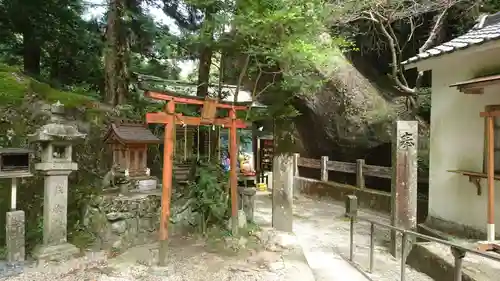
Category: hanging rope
[198,144]
[185,143]
[218,143]
[209,144]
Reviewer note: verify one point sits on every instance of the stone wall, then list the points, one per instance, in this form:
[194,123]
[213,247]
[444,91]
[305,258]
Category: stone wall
[119,222]
[367,198]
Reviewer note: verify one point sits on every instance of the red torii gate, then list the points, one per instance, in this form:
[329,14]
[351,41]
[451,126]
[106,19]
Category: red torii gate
[170,119]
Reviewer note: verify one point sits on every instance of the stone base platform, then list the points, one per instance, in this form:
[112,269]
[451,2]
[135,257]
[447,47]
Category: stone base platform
[56,252]
[120,222]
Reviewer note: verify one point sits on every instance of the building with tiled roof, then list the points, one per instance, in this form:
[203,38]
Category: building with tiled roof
[486,30]
[465,131]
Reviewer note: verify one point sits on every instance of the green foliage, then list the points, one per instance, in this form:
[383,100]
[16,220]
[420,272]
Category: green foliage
[51,95]
[424,104]
[12,87]
[290,34]
[209,197]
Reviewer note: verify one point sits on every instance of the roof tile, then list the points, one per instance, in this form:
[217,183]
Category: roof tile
[487,29]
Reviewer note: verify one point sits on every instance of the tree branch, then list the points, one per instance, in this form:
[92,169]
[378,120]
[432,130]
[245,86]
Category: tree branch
[394,56]
[255,96]
[428,43]
[240,78]
[435,30]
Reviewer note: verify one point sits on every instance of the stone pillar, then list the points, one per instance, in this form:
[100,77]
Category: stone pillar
[14,229]
[282,217]
[248,202]
[404,179]
[15,236]
[324,168]
[55,209]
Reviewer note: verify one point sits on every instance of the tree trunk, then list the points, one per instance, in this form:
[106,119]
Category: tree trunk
[204,71]
[32,52]
[54,66]
[116,56]
[205,62]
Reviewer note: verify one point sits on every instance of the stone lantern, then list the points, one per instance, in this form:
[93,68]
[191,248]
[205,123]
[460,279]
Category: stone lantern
[56,139]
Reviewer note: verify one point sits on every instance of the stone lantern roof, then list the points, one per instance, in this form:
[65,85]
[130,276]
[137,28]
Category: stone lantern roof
[57,129]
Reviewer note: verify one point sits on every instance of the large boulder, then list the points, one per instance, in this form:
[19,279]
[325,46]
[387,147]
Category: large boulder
[347,115]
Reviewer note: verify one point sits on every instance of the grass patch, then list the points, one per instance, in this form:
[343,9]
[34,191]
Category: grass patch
[81,239]
[14,86]
[221,241]
[52,95]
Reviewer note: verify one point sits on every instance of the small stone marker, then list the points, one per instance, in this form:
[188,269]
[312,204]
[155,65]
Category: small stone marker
[404,179]
[282,218]
[15,236]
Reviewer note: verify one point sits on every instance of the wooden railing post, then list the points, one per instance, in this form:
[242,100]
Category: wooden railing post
[324,168]
[296,157]
[360,178]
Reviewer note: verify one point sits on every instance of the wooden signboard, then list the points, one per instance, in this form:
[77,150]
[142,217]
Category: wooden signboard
[266,155]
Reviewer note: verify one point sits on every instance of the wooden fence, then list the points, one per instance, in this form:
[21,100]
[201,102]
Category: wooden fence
[359,168]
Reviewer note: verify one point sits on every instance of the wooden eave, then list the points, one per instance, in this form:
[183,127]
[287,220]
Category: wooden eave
[476,86]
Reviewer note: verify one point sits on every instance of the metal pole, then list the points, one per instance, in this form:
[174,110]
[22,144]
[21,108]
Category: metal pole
[198,144]
[491,180]
[403,256]
[459,256]
[351,239]
[13,195]
[372,245]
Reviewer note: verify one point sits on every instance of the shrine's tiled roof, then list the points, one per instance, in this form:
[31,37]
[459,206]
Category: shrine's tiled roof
[131,132]
[487,29]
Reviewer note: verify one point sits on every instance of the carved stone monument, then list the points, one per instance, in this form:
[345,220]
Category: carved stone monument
[56,139]
[404,179]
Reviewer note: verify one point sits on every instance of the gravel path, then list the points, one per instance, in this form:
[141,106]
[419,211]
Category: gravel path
[323,231]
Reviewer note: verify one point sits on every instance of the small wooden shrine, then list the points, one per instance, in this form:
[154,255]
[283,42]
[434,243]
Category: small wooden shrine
[129,141]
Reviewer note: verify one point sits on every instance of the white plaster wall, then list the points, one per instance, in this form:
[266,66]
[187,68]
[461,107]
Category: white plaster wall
[457,140]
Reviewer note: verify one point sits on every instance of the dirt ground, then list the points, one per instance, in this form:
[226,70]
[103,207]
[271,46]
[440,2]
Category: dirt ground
[220,257]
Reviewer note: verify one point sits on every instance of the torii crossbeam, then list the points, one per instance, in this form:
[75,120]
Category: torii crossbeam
[170,118]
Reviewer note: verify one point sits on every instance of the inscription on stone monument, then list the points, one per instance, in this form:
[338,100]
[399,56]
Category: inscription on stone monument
[406,140]
[59,189]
